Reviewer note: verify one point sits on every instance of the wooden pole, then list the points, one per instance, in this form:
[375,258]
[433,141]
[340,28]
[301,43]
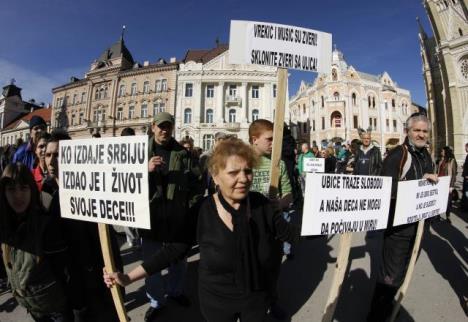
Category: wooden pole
[338,277]
[110,268]
[409,273]
[278,132]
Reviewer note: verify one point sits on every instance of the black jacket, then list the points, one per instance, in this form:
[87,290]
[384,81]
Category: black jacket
[375,161]
[421,163]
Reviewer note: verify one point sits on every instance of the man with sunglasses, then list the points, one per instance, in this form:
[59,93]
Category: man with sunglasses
[26,152]
[408,161]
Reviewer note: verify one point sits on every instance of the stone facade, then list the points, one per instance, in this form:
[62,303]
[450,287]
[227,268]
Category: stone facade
[337,104]
[215,96]
[116,93]
[445,70]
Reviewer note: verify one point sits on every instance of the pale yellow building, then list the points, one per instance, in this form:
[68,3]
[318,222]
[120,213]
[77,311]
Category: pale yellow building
[445,70]
[115,93]
[338,103]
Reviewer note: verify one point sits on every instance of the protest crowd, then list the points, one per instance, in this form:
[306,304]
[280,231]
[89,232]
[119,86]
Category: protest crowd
[218,199]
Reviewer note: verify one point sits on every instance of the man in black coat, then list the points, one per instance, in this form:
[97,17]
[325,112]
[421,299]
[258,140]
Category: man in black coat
[409,161]
[368,161]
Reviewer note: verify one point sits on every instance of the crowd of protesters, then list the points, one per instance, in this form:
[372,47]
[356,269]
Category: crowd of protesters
[220,200]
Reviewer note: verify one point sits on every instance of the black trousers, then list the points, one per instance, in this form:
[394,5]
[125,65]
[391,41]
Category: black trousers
[397,248]
[250,308]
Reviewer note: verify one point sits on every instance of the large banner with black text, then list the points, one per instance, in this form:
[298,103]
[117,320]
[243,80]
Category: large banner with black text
[105,180]
[338,203]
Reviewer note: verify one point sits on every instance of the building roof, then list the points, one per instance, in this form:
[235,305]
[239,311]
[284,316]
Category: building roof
[11,90]
[115,51]
[369,77]
[45,113]
[204,55]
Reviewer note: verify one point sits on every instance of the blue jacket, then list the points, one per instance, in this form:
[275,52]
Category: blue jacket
[25,155]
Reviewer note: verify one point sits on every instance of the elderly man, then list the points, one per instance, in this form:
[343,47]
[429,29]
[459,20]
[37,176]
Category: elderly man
[368,161]
[409,161]
[26,152]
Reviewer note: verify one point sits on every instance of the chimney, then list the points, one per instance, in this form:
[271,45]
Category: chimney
[146,63]
[172,60]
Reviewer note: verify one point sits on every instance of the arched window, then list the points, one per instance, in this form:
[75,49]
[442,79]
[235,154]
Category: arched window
[335,119]
[254,115]
[209,116]
[208,140]
[334,75]
[373,102]
[336,96]
[460,32]
[144,110]
[369,101]
[393,102]
[188,115]
[303,109]
[353,99]
[232,116]
[121,90]
[146,87]
[323,101]
[133,90]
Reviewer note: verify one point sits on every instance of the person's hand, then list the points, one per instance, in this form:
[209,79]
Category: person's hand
[431,177]
[155,162]
[110,279]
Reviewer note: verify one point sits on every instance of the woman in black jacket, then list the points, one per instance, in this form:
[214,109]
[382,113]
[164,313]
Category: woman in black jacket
[236,230]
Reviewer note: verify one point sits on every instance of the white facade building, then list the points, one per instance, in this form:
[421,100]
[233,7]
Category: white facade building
[215,96]
[339,103]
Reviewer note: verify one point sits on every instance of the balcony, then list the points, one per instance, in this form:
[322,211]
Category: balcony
[233,100]
[233,127]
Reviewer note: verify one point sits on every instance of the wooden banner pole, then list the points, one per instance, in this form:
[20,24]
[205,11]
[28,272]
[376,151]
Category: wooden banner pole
[109,264]
[338,277]
[278,132]
[409,273]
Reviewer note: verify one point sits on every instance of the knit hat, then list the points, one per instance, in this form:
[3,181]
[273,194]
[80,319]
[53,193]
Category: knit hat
[36,120]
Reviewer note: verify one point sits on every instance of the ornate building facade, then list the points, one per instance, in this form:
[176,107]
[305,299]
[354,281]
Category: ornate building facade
[337,104]
[215,96]
[445,70]
[115,93]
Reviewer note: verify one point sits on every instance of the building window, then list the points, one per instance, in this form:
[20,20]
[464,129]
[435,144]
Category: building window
[304,128]
[73,119]
[187,116]
[208,140]
[95,115]
[313,125]
[254,115]
[146,87]
[375,123]
[120,113]
[370,122]
[102,114]
[210,91]
[323,123]
[353,99]
[232,90]
[373,102]
[255,91]
[304,109]
[334,75]
[323,101]
[336,96]
[209,116]
[274,90]
[164,85]
[387,125]
[393,103]
[157,86]
[133,90]
[386,105]
[144,110]
[188,90]
[75,96]
[122,90]
[83,97]
[335,119]
[369,103]
[394,126]
[158,107]
[355,121]
[80,118]
[232,116]
[131,112]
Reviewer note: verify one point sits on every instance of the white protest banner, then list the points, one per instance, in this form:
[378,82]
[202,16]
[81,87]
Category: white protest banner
[338,203]
[313,164]
[105,180]
[420,199]
[270,44]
